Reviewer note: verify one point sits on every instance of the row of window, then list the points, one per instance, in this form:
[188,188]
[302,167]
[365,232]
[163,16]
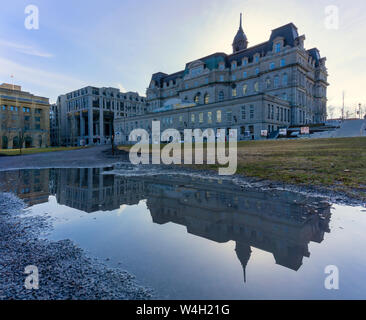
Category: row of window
[234,91]
[107,104]
[256,59]
[96,91]
[247,112]
[198,71]
[271,66]
[26,126]
[16,109]
[233,78]
[282,114]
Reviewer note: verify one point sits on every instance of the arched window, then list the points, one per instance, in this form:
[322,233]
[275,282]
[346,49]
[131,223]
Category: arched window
[4,142]
[245,89]
[196,99]
[16,142]
[221,95]
[207,98]
[256,86]
[276,81]
[28,142]
[233,90]
[268,83]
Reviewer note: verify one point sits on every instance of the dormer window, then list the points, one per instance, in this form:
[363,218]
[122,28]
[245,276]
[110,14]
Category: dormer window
[233,65]
[278,47]
[221,66]
[196,71]
[245,61]
[256,58]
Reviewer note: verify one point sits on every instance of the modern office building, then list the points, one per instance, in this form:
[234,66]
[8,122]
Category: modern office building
[24,118]
[256,90]
[55,125]
[86,116]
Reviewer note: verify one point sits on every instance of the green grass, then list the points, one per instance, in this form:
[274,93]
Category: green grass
[337,163]
[16,152]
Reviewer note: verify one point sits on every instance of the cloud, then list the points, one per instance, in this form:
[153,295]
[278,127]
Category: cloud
[29,50]
[121,87]
[50,84]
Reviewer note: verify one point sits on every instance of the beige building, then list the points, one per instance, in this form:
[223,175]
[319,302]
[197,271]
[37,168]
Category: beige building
[23,115]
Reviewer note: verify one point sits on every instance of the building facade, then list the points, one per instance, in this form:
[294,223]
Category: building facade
[55,125]
[256,90]
[86,116]
[24,118]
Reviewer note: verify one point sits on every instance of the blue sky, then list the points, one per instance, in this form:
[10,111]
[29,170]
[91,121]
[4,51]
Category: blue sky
[121,43]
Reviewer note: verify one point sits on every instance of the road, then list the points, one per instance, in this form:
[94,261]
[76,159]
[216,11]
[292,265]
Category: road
[89,157]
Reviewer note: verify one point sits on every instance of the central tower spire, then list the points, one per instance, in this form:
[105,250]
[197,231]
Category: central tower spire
[240,41]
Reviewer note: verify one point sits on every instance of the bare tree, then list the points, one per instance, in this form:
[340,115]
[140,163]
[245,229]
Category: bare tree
[21,130]
[21,138]
[331,111]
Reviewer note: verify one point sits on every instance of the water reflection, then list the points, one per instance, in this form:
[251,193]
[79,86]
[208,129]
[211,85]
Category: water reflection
[281,223]
[33,186]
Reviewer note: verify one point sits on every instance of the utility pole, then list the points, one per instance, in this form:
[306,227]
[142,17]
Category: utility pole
[359,110]
[343,106]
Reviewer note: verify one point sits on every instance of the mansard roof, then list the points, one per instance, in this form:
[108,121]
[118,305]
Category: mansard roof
[314,53]
[288,32]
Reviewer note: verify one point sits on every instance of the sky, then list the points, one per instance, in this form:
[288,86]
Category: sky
[121,43]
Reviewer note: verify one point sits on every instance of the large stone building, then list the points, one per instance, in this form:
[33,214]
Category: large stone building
[23,117]
[256,90]
[86,116]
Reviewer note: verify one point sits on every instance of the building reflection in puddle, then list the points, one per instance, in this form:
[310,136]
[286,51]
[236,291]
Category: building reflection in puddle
[282,223]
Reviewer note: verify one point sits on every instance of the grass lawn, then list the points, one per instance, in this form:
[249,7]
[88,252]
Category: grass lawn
[339,163]
[16,152]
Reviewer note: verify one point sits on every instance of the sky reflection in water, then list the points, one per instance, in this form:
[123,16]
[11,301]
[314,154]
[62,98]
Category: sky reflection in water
[194,238]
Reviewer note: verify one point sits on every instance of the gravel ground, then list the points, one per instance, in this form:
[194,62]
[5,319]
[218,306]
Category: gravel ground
[65,271]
